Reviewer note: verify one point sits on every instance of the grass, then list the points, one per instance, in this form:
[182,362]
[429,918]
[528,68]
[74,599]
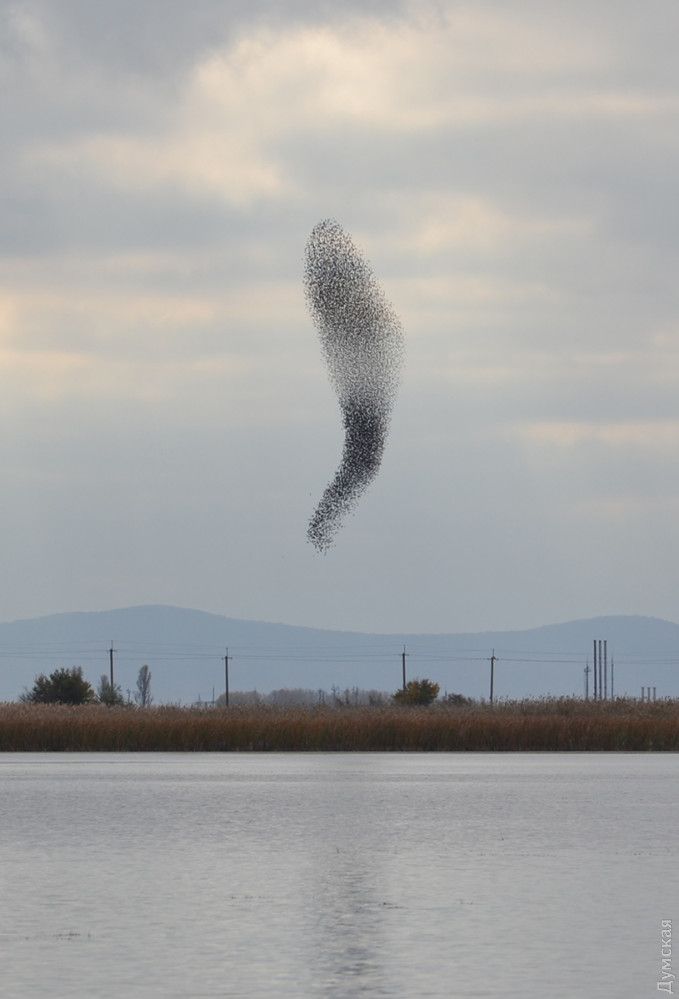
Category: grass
[533,725]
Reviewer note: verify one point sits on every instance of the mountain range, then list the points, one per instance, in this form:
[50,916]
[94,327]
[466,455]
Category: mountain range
[185,651]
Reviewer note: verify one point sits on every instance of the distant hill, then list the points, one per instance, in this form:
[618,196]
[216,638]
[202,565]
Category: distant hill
[185,649]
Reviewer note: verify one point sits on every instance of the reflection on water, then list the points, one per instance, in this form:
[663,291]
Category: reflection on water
[348,949]
[335,875]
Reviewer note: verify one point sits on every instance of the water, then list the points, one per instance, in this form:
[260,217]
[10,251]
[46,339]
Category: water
[338,875]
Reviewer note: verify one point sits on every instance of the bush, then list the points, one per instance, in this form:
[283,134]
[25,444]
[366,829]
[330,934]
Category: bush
[111,696]
[457,700]
[62,686]
[418,692]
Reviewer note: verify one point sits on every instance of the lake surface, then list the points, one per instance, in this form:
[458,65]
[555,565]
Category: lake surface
[339,875]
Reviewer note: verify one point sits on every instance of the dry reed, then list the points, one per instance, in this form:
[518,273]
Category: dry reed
[532,725]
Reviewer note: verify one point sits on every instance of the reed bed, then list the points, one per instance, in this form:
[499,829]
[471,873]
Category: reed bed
[534,725]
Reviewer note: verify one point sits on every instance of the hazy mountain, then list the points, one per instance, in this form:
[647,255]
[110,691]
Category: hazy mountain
[185,649]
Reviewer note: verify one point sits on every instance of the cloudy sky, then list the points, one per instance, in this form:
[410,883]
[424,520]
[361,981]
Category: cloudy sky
[510,171]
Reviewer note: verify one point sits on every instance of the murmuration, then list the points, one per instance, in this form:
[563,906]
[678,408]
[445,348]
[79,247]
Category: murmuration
[362,343]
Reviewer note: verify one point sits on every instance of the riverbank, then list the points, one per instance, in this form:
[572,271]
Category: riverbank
[535,726]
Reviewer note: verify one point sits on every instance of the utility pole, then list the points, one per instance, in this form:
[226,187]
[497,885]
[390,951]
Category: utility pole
[587,681]
[595,686]
[226,679]
[605,669]
[110,660]
[493,659]
[601,672]
[612,673]
[403,665]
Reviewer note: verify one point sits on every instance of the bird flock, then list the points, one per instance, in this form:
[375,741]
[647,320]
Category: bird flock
[362,343]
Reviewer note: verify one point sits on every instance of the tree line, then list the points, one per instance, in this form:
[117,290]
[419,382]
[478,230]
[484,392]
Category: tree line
[69,686]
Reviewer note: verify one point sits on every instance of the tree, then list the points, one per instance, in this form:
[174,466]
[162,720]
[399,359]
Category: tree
[62,686]
[143,695]
[111,696]
[418,692]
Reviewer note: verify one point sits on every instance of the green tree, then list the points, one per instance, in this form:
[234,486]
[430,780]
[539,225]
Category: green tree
[111,696]
[62,686]
[418,692]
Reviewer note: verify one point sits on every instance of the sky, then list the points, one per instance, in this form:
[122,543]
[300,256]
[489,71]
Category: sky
[509,169]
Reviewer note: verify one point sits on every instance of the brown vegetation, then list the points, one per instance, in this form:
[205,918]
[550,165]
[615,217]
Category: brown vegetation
[535,725]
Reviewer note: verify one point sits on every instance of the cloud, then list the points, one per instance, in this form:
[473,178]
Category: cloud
[409,77]
[509,171]
[656,435]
